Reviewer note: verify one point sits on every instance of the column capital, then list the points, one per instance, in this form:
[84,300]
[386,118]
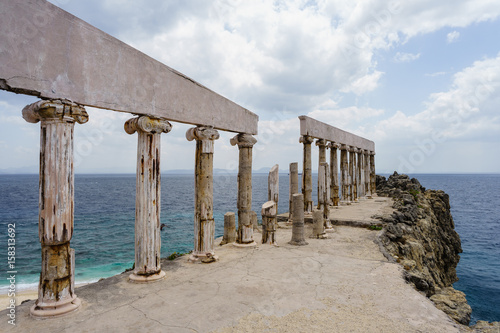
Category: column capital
[243,140]
[372,153]
[63,110]
[147,125]
[306,139]
[321,142]
[333,145]
[202,133]
[344,147]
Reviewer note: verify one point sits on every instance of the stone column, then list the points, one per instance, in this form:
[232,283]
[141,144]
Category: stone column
[245,144]
[203,192]
[373,185]
[344,174]
[354,183]
[324,194]
[273,185]
[367,174]
[351,174]
[269,222]
[294,187]
[56,295]
[307,173]
[360,178]
[318,225]
[322,155]
[334,174]
[298,220]
[147,197]
[229,229]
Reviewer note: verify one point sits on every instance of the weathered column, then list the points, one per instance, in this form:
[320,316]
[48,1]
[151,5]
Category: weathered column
[373,185]
[245,144]
[367,173]
[324,194]
[351,174]
[334,174]
[147,197]
[269,222]
[273,185]
[229,229]
[354,184]
[322,155]
[307,173]
[294,187]
[203,192]
[344,174]
[318,225]
[298,220]
[360,177]
[56,293]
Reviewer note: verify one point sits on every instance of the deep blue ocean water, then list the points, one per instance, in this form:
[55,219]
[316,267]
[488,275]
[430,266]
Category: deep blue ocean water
[103,236]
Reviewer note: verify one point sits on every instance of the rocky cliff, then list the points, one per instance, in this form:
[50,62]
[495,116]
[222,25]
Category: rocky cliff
[421,235]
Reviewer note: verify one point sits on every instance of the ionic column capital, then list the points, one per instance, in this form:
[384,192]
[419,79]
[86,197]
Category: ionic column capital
[306,139]
[147,125]
[205,134]
[243,140]
[344,147]
[63,110]
[321,142]
[333,145]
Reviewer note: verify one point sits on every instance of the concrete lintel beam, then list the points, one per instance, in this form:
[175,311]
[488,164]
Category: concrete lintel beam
[319,130]
[52,54]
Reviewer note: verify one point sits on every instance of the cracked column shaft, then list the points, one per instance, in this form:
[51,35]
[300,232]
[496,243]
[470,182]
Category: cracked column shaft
[147,197]
[294,187]
[373,185]
[307,173]
[57,118]
[204,225]
[334,174]
[245,144]
[344,173]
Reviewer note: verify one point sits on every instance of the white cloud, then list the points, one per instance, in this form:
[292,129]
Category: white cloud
[406,57]
[452,37]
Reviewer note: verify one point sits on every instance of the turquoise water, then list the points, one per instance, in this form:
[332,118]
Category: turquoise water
[103,236]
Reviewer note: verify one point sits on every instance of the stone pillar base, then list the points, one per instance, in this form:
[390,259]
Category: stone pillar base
[146,278]
[205,258]
[252,244]
[57,310]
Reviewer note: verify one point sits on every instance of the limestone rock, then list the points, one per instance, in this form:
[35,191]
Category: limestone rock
[421,235]
[453,303]
[486,327]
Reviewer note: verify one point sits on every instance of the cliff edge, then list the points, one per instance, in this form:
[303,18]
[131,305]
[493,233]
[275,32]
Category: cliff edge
[421,236]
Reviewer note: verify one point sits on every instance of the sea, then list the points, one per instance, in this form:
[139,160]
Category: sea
[103,236]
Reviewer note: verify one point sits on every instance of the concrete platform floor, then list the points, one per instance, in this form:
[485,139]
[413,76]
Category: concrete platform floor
[340,284]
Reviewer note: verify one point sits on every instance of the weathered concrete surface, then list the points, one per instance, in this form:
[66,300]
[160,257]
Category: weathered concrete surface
[341,284]
[317,129]
[360,215]
[50,53]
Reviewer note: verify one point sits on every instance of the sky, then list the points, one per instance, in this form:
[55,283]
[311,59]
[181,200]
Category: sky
[419,78]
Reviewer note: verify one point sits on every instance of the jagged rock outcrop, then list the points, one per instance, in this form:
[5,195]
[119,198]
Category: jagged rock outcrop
[421,235]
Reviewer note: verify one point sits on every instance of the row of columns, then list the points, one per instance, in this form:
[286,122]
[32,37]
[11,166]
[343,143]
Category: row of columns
[56,294]
[357,173]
